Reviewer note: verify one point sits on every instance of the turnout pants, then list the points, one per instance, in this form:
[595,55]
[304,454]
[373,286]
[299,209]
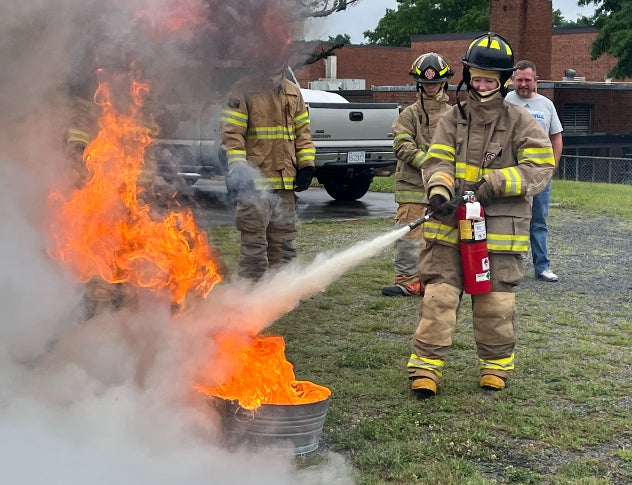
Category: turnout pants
[406,249]
[267,222]
[494,313]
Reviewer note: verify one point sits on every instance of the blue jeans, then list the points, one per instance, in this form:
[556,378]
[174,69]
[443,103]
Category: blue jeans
[539,232]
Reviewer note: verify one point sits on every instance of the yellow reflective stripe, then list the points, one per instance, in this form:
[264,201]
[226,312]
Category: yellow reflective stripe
[236,156]
[507,242]
[144,180]
[494,44]
[513,181]
[152,128]
[418,161]
[469,172]
[78,136]
[443,178]
[271,133]
[443,152]
[539,156]
[146,176]
[401,138]
[506,363]
[234,117]
[305,155]
[443,71]
[417,362]
[441,232]
[302,120]
[461,170]
[409,196]
[275,183]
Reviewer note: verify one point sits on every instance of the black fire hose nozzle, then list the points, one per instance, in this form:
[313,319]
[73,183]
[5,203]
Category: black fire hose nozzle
[448,203]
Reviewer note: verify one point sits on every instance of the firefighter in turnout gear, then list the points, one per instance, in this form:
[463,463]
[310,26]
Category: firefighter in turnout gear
[413,131]
[497,150]
[82,129]
[266,135]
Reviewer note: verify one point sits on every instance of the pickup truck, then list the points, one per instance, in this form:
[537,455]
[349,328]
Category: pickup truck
[353,144]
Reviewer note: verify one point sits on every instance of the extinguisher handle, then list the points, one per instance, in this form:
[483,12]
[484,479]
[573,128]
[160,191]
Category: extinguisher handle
[448,206]
[448,203]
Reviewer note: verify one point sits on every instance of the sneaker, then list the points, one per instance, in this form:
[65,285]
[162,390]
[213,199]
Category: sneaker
[547,275]
[416,289]
[423,387]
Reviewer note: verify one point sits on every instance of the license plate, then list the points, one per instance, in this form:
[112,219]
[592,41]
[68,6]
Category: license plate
[355,157]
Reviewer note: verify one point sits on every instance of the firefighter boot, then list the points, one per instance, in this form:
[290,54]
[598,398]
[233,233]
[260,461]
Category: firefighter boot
[406,255]
[492,382]
[101,296]
[423,387]
[415,289]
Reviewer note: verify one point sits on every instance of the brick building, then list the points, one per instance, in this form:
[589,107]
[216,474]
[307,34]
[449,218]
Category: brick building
[589,105]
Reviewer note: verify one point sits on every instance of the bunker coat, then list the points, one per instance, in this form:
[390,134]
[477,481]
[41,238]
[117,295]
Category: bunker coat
[413,131]
[504,145]
[267,125]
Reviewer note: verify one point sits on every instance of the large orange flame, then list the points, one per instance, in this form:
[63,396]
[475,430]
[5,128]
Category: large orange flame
[106,230]
[259,373]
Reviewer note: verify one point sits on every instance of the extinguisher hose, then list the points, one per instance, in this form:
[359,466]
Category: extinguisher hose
[448,203]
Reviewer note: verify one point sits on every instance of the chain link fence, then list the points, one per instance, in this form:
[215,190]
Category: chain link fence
[595,169]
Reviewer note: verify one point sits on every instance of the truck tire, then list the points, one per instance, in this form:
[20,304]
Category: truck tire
[348,189]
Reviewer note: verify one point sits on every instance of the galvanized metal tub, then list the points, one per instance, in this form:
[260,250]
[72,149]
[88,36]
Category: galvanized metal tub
[285,428]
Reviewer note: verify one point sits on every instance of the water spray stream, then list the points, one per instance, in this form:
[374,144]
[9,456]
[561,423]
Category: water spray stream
[278,295]
[274,297]
[320,274]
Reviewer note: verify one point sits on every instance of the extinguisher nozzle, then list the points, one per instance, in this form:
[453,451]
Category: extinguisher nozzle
[418,222]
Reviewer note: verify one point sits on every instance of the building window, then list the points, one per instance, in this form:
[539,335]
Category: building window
[577,118]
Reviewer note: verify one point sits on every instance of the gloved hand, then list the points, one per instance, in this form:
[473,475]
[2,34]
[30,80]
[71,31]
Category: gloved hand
[437,207]
[304,178]
[483,192]
[239,178]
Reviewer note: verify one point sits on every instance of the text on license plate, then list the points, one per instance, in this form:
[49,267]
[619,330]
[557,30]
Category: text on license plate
[355,157]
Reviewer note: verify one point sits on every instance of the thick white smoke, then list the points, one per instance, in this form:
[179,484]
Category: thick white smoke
[109,400]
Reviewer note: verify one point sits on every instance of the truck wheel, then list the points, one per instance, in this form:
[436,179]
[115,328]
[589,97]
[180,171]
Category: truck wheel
[348,189]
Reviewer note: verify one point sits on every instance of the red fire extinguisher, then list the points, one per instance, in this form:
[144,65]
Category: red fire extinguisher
[473,246]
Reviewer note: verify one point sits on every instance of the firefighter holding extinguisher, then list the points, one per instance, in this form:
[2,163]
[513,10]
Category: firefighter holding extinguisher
[487,147]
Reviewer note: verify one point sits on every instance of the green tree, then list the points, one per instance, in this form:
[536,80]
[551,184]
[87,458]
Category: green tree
[613,18]
[428,17]
[344,39]
[558,20]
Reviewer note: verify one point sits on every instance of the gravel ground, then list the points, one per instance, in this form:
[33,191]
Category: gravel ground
[592,255]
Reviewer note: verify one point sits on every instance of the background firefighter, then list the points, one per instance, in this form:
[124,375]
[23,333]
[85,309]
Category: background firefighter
[266,135]
[413,131]
[113,65]
[497,150]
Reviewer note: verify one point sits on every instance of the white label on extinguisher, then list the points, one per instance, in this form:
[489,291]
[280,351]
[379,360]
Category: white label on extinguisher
[480,233]
[483,276]
[485,264]
[473,211]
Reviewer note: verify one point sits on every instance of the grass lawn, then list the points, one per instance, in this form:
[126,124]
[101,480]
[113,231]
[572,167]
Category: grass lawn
[565,417]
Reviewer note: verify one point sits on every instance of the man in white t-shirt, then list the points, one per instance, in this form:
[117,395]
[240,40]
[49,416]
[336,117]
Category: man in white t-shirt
[542,109]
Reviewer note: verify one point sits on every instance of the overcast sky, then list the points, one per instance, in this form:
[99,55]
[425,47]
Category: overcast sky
[367,14]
